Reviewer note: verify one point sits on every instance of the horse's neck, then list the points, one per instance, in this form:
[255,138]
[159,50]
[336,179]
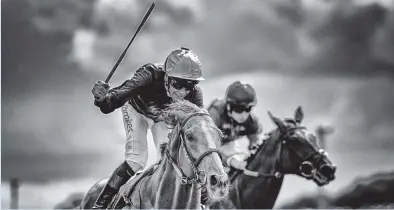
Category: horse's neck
[260,192]
[167,192]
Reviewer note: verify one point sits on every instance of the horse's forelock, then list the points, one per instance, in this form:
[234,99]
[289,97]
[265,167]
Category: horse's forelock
[178,111]
[312,139]
[290,120]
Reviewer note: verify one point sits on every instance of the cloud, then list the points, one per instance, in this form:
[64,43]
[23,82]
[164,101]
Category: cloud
[54,136]
[347,39]
[49,129]
[295,37]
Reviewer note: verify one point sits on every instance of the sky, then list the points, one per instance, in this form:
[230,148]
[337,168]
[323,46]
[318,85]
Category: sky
[57,142]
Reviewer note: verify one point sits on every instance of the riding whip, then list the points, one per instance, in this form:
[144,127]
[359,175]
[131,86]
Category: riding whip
[132,39]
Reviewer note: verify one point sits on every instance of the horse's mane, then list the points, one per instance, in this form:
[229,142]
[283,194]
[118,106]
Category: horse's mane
[178,111]
[260,147]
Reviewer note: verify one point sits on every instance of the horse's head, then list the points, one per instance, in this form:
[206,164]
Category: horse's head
[298,152]
[194,148]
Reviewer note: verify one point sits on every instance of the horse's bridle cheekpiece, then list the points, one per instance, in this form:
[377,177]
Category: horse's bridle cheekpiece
[199,176]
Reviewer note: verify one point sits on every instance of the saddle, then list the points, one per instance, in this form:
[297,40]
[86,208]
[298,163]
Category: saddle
[121,198]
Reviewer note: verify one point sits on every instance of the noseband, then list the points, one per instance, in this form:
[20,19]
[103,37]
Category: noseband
[200,177]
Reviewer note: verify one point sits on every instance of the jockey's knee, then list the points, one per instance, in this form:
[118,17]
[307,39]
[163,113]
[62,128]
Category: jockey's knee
[134,165]
[124,170]
[137,163]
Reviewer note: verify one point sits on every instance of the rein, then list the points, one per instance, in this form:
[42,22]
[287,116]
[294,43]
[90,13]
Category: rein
[200,177]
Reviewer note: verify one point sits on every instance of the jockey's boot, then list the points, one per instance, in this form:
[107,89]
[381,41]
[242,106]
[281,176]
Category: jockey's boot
[118,178]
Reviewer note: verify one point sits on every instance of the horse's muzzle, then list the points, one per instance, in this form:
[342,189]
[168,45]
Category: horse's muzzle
[220,181]
[328,171]
[218,186]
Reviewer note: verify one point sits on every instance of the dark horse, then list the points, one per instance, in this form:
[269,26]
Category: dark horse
[287,150]
[191,161]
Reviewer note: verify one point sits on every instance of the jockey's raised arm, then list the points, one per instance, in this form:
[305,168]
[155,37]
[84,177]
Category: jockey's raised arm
[109,100]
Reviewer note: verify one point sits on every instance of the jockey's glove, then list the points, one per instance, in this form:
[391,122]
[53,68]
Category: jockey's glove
[240,165]
[100,90]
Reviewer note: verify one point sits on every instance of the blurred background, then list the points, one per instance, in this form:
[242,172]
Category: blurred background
[333,57]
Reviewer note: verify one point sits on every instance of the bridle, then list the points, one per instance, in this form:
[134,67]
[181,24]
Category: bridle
[200,177]
[278,172]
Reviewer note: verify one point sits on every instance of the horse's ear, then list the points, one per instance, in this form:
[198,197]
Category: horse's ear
[281,125]
[298,115]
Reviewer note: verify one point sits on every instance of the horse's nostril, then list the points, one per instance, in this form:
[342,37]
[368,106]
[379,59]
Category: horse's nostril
[226,182]
[306,169]
[213,180]
[327,170]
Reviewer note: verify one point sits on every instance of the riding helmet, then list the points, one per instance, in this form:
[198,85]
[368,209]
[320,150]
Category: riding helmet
[183,64]
[241,94]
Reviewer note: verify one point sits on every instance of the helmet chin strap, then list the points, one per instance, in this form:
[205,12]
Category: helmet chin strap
[228,110]
[167,87]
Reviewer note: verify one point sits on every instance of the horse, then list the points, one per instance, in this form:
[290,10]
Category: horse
[191,161]
[288,149]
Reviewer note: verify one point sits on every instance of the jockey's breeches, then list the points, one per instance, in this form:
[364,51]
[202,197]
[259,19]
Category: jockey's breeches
[136,126]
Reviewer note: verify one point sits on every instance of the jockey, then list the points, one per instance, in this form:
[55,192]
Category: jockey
[233,116]
[152,87]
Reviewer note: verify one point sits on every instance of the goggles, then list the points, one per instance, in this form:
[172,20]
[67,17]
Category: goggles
[240,108]
[182,83]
